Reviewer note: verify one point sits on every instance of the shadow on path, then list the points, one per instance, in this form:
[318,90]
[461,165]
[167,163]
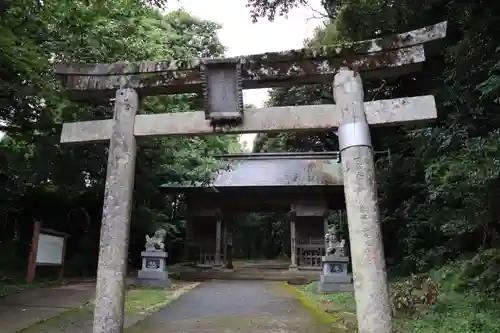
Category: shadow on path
[234,306]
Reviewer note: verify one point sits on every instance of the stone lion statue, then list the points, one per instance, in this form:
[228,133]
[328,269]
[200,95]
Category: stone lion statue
[340,248]
[333,245]
[331,240]
[156,243]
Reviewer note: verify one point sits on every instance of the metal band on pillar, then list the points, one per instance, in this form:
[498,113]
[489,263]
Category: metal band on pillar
[354,134]
[353,130]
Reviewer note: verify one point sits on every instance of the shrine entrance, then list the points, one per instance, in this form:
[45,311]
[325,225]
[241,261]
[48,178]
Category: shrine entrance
[304,186]
[219,83]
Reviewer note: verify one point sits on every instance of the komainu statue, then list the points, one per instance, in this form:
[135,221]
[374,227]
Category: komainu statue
[156,243]
[340,248]
[333,245]
[331,240]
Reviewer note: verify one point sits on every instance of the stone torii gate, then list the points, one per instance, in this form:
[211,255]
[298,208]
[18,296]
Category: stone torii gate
[221,81]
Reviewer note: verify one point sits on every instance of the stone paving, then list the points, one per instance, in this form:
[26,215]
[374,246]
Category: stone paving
[234,306]
[24,309]
[214,306]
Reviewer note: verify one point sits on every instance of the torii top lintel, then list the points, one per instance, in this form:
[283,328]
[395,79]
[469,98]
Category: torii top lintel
[383,57]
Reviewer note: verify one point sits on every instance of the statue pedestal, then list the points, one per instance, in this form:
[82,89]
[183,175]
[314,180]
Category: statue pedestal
[154,269]
[334,276]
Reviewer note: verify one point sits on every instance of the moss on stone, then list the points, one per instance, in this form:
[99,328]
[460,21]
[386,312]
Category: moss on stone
[317,309]
[59,320]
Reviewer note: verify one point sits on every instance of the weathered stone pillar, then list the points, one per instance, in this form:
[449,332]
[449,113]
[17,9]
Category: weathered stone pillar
[112,266]
[368,263]
[218,240]
[293,242]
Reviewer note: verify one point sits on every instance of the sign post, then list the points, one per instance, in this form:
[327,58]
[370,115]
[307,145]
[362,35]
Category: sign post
[48,248]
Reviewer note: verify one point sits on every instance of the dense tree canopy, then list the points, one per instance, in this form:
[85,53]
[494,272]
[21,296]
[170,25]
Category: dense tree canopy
[438,185]
[62,185]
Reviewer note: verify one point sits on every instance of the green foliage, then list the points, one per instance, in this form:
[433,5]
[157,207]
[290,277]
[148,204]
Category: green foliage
[428,303]
[10,286]
[438,187]
[438,190]
[412,296]
[481,274]
[63,185]
[270,8]
[457,309]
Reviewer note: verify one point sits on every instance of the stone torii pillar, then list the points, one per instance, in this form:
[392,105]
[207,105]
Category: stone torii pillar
[367,251]
[113,253]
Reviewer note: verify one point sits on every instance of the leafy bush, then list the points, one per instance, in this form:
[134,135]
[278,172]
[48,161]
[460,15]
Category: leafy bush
[481,274]
[413,296]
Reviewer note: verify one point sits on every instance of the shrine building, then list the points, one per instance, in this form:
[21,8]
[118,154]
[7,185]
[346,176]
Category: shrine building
[306,186]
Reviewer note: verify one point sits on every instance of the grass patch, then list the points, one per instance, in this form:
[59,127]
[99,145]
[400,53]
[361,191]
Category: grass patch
[467,311]
[339,301]
[141,301]
[145,300]
[452,312]
[9,287]
[336,308]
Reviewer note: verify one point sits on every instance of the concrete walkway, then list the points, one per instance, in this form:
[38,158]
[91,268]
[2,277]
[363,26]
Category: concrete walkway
[24,309]
[216,306]
[234,306]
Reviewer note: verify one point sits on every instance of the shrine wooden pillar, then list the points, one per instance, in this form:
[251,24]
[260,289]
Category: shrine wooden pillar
[293,241]
[224,242]
[186,256]
[229,241]
[325,230]
[218,239]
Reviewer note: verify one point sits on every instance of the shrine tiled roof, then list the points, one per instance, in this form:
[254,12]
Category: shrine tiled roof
[273,173]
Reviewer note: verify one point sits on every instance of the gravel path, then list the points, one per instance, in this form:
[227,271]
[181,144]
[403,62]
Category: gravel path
[234,306]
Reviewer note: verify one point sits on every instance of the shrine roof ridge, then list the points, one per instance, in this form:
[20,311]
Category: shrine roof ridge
[329,155]
[382,57]
[271,172]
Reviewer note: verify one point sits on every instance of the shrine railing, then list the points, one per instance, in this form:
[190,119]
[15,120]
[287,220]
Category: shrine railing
[310,256]
[310,241]
[310,250]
